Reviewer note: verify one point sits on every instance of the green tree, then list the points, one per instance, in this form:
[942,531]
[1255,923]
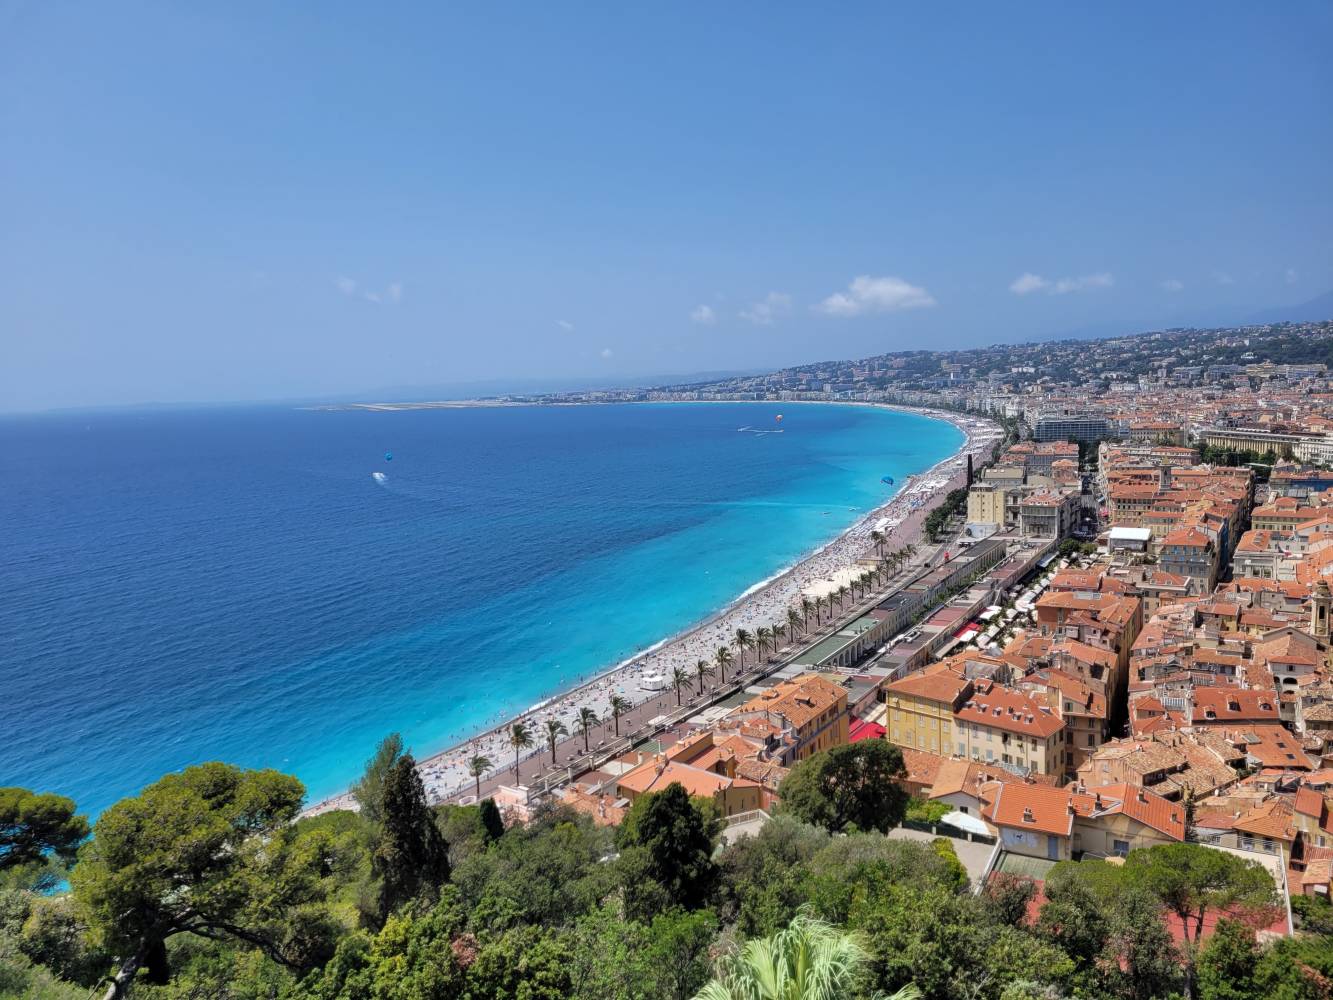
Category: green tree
[1227,963]
[763,639]
[679,680]
[809,960]
[491,821]
[619,706]
[520,738]
[369,790]
[554,730]
[207,851]
[411,856]
[855,785]
[34,825]
[477,766]
[702,669]
[667,841]
[743,641]
[587,719]
[723,660]
[1192,880]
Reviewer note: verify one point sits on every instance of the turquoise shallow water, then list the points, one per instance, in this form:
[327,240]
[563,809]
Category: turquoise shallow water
[234,584]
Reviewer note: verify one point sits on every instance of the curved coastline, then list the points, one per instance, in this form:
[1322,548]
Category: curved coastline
[442,769]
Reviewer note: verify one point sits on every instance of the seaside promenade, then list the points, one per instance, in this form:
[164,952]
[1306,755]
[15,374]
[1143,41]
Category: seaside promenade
[446,774]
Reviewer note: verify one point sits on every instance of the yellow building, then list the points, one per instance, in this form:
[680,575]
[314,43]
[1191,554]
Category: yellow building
[921,708]
[985,505]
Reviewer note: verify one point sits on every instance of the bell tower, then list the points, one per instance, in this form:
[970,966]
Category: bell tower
[1320,604]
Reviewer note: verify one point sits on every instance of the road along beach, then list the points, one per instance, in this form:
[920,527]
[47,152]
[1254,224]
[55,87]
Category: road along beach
[644,681]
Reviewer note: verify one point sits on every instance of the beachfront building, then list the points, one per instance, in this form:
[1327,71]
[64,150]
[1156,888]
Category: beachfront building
[811,711]
[1048,514]
[985,509]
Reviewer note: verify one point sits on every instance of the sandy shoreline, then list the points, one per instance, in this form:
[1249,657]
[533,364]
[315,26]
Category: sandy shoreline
[445,773]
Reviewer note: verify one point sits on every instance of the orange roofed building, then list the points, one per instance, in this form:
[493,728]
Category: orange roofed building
[811,709]
[731,795]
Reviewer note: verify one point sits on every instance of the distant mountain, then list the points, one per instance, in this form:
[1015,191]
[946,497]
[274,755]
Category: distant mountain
[1320,308]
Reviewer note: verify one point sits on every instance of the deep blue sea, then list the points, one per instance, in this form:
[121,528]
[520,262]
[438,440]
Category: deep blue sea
[179,586]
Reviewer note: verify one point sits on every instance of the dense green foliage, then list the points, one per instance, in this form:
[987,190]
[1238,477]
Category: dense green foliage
[33,826]
[854,786]
[207,887]
[955,501]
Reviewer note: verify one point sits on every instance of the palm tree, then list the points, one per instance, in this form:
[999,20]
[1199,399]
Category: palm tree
[793,620]
[520,738]
[763,638]
[679,678]
[619,706]
[842,595]
[807,606]
[822,604]
[554,730]
[877,538]
[723,660]
[476,767]
[779,630]
[809,960]
[587,719]
[702,668]
[744,640]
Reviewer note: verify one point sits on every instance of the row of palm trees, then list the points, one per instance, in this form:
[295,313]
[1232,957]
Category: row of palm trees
[765,638]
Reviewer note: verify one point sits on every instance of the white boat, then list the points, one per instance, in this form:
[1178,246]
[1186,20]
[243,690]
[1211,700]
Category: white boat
[379,477]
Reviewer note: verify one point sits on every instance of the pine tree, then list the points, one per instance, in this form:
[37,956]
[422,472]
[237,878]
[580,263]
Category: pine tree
[411,857]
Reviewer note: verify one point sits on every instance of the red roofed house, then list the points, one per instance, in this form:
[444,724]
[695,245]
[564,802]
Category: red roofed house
[1220,706]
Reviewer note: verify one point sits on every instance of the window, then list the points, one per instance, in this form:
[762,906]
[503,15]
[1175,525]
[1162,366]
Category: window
[1092,739]
[962,750]
[1120,847]
[990,754]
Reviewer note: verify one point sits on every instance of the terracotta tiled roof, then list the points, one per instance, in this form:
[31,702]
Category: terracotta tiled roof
[799,700]
[943,686]
[1008,710]
[1030,807]
[1142,805]
[1231,704]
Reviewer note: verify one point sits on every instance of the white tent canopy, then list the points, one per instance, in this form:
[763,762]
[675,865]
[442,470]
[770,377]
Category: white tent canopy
[965,822]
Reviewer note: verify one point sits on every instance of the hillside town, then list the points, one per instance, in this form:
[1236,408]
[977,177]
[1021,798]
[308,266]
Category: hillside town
[1118,638]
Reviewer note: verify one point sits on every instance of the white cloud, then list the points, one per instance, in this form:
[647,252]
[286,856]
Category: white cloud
[606,352]
[1173,285]
[876,295]
[1028,282]
[1083,283]
[1292,276]
[393,294]
[565,325]
[703,315]
[774,305]
[1222,278]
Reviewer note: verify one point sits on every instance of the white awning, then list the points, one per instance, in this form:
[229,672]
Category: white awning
[965,822]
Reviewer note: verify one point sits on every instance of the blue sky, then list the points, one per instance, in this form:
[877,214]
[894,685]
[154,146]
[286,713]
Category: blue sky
[268,201]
